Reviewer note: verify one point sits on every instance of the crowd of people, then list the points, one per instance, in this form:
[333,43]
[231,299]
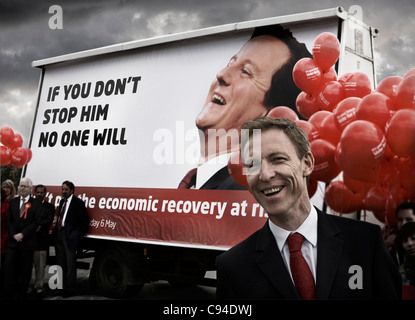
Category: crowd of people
[26,221]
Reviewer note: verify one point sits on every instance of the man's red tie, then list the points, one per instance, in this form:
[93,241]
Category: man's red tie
[302,276]
[189,180]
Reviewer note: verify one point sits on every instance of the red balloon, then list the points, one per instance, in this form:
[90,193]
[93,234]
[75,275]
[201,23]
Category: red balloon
[341,199]
[383,202]
[389,87]
[329,75]
[375,201]
[405,94]
[356,186]
[329,131]
[29,155]
[363,143]
[344,78]
[308,128]
[406,175]
[355,172]
[357,85]
[330,94]
[397,195]
[326,50]
[400,134]
[19,157]
[307,75]
[16,142]
[306,104]
[236,169]
[282,112]
[345,112]
[5,155]
[6,135]
[388,173]
[375,108]
[409,73]
[325,166]
[317,119]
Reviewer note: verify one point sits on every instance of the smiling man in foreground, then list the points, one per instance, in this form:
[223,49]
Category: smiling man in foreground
[301,252]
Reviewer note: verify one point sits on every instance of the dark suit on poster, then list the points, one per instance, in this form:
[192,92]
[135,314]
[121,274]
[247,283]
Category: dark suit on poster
[222,180]
[19,257]
[67,239]
[254,269]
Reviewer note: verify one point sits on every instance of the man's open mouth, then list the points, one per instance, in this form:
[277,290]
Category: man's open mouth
[273,191]
[218,99]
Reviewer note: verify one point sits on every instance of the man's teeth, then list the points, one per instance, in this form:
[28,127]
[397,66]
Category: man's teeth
[273,190]
[218,99]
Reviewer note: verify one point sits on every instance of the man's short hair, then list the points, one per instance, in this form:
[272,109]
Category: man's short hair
[69,184]
[297,136]
[27,180]
[41,186]
[406,205]
[283,90]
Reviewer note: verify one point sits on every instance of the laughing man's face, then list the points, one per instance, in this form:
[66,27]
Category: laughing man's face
[278,181]
[238,92]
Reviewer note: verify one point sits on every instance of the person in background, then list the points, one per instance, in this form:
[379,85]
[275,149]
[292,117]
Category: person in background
[406,240]
[405,213]
[4,234]
[24,217]
[9,189]
[72,223]
[42,237]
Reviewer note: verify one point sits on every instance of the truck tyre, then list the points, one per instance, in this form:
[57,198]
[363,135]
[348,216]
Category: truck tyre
[112,273]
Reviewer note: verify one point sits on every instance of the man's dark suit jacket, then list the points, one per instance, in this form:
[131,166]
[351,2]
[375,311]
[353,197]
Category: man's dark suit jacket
[76,221]
[27,226]
[254,269]
[42,236]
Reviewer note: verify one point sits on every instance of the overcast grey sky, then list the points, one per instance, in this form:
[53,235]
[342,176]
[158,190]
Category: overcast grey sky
[25,35]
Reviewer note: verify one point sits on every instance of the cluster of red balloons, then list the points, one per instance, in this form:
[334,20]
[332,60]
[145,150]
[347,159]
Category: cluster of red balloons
[11,152]
[368,135]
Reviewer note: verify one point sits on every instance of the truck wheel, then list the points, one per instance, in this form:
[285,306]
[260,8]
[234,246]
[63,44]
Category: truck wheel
[112,273]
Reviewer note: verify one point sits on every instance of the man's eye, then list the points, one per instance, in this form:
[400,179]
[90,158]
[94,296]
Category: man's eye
[245,71]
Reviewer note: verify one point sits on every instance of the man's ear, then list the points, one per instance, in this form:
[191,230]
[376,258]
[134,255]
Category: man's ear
[308,163]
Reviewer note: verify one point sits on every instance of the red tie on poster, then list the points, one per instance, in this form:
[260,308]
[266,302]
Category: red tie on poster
[189,179]
[303,279]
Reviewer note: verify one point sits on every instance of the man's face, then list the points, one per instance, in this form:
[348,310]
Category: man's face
[66,191]
[237,95]
[279,183]
[409,245]
[40,194]
[24,189]
[404,216]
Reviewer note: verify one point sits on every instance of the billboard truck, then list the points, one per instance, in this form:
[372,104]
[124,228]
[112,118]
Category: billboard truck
[126,122]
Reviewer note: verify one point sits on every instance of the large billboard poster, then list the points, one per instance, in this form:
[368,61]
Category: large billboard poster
[126,127]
